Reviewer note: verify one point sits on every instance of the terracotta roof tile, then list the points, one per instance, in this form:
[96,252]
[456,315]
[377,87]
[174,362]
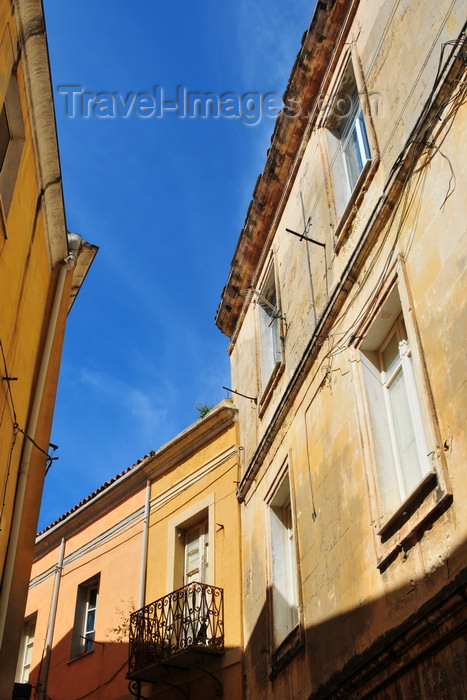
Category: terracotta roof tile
[92,495]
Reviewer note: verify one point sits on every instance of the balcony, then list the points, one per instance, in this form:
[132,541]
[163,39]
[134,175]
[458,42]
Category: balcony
[176,629]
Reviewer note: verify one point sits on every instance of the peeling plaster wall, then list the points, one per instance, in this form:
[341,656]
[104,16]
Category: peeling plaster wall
[310,419]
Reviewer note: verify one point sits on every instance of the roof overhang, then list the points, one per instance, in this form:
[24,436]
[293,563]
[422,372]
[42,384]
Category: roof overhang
[38,84]
[273,185]
[86,255]
[220,418]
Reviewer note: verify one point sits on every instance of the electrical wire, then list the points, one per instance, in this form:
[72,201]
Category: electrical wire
[8,474]
[418,146]
[50,458]
[7,377]
[409,156]
[102,685]
[16,429]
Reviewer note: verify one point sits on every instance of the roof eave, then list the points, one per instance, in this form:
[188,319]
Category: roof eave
[85,258]
[318,44]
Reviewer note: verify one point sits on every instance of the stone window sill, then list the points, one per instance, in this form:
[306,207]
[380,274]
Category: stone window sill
[286,651]
[414,515]
[80,656]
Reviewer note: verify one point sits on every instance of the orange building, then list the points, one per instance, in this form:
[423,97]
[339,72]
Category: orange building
[85,581]
[42,267]
[165,530]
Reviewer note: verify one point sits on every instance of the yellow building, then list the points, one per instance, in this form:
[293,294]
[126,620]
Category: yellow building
[187,639]
[85,581]
[351,344]
[42,267]
[165,530]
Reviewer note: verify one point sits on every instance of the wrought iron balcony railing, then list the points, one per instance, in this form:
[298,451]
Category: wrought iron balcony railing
[191,617]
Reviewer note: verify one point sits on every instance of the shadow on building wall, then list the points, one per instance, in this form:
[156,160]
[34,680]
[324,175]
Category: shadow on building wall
[410,643]
[101,675]
[98,674]
[201,677]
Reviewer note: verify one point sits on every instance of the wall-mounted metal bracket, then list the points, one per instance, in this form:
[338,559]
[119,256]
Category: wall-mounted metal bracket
[306,238]
[232,391]
[172,685]
[219,688]
[277,313]
[135,689]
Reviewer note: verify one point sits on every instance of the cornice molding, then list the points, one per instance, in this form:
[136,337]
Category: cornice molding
[272,187]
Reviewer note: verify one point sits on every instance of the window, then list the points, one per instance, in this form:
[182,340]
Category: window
[347,138]
[11,144]
[89,629]
[190,545]
[283,564]
[188,564]
[24,666]
[5,135]
[196,553]
[269,327]
[84,629]
[398,434]
[407,477]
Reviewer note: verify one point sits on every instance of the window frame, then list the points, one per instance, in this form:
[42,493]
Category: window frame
[345,197]
[90,613]
[23,671]
[80,643]
[203,552]
[13,152]
[199,513]
[5,131]
[270,326]
[379,381]
[280,510]
[394,529]
[403,369]
[351,124]
[10,100]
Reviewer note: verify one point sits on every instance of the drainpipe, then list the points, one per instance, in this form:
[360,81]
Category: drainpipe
[74,243]
[51,623]
[144,547]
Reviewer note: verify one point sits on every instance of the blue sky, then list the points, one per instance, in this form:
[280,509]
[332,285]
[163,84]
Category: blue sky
[165,199]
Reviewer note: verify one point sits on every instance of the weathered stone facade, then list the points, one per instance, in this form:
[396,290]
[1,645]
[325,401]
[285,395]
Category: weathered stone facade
[350,343]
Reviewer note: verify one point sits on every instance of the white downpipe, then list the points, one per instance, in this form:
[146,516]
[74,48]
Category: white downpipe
[27,451]
[51,623]
[144,547]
